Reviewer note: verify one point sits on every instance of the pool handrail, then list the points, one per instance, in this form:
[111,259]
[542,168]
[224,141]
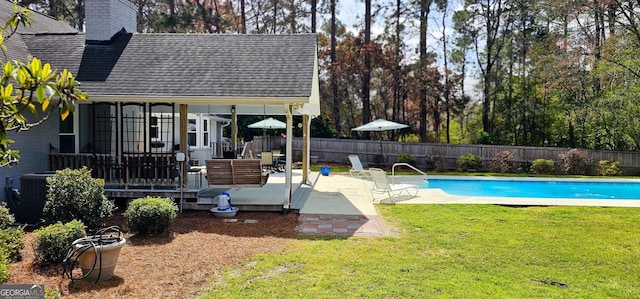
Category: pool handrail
[393,171]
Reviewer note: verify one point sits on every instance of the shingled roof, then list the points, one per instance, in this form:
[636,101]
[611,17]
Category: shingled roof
[42,24]
[209,69]
[189,65]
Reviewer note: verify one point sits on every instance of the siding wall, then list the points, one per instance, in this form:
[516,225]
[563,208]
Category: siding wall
[34,150]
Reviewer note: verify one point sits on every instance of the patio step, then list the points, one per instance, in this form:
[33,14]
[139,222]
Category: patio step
[208,195]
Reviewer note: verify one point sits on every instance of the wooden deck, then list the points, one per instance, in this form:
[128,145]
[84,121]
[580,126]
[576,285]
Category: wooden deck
[269,198]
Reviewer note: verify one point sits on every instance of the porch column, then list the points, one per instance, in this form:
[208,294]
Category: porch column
[184,146]
[306,124]
[288,154]
[234,129]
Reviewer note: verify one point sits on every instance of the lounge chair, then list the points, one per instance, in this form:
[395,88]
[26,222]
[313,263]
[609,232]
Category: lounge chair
[381,185]
[356,167]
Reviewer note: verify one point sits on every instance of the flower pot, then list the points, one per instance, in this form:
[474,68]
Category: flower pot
[96,255]
[99,264]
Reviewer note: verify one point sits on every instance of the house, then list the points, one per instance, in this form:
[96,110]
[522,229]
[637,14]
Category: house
[145,88]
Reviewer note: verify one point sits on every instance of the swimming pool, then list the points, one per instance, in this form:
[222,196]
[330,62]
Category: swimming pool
[536,187]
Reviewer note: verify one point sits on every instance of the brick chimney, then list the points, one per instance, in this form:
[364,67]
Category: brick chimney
[105,18]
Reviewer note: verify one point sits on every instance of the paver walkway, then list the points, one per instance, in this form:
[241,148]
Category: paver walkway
[343,225]
[340,205]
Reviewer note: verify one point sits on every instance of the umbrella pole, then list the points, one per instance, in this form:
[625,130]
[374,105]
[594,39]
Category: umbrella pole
[384,159]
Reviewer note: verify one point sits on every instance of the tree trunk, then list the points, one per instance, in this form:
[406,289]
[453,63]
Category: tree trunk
[314,8]
[366,72]
[425,5]
[243,18]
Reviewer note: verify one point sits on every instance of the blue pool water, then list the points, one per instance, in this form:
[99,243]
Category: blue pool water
[539,188]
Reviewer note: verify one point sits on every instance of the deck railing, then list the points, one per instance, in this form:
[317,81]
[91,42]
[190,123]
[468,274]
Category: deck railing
[157,170]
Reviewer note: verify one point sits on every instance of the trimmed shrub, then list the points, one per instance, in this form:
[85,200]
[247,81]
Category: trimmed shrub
[52,241]
[151,215]
[11,242]
[4,267]
[6,218]
[11,238]
[608,168]
[542,166]
[573,161]
[74,194]
[502,162]
[406,158]
[469,161]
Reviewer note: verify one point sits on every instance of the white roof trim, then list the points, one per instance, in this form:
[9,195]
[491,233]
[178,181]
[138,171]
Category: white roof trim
[200,100]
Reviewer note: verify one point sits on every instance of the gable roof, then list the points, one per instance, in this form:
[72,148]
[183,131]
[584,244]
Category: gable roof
[201,69]
[42,24]
[186,65]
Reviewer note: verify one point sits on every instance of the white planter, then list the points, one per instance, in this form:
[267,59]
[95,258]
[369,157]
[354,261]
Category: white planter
[104,265]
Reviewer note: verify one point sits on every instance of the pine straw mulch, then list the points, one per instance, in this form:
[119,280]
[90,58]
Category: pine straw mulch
[178,264]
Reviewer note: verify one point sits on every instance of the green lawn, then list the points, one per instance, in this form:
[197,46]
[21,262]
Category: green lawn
[457,251]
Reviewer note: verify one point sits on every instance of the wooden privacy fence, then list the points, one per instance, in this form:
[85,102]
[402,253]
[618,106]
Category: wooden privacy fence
[337,150]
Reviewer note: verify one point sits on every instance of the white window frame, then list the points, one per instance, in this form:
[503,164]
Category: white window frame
[206,128]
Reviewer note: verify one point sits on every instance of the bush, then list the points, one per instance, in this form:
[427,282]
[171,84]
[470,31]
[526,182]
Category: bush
[542,166]
[407,158]
[469,161]
[52,241]
[6,218]
[502,162]
[74,194]
[151,215]
[11,238]
[4,267]
[573,161]
[11,241]
[608,168]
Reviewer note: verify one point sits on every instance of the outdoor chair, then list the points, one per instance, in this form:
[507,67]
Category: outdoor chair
[381,185]
[246,150]
[266,160]
[356,167]
[278,161]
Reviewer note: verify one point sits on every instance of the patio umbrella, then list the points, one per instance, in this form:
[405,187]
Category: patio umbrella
[268,123]
[380,125]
